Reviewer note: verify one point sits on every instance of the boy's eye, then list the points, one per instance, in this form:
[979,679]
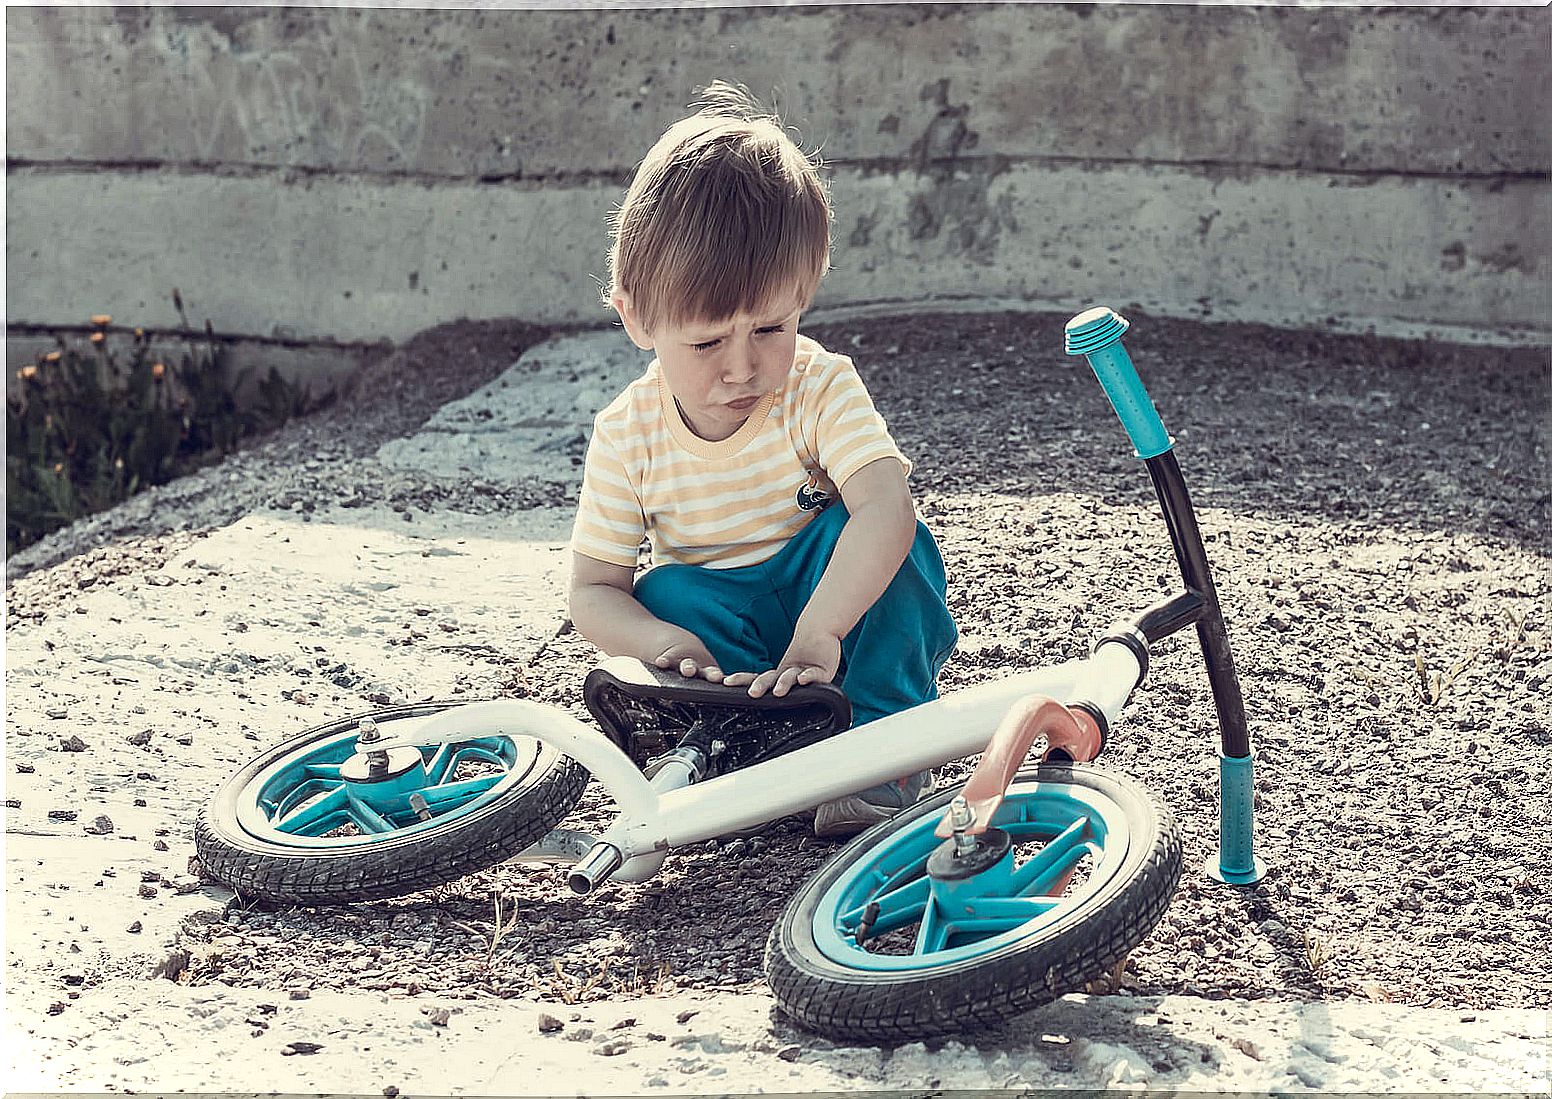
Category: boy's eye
[707,345]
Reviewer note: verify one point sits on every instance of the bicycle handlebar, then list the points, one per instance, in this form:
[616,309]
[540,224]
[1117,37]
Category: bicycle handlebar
[1096,335]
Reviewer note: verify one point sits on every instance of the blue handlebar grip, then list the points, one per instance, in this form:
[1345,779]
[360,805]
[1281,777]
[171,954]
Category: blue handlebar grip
[1096,335]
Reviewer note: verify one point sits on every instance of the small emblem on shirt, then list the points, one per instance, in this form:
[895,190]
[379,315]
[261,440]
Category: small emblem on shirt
[811,497]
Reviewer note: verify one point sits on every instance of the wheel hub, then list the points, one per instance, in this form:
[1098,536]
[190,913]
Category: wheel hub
[380,766]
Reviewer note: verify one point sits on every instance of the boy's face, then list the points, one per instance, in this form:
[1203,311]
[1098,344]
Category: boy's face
[719,370]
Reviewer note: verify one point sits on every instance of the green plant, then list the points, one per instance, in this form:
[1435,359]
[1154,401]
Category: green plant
[89,427]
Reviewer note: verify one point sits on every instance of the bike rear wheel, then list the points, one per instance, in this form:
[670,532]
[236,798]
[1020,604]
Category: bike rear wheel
[301,824]
[875,948]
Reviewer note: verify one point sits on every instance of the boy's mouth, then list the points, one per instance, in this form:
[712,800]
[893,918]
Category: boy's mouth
[743,404]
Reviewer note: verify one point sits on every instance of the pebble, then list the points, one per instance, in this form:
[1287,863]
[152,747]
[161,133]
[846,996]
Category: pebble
[549,1024]
[62,814]
[147,891]
[134,928]
[140,739]
[25,769]
[102,826]
[72,743]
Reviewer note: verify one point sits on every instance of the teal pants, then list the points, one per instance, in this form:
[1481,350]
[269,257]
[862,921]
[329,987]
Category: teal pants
[745,616]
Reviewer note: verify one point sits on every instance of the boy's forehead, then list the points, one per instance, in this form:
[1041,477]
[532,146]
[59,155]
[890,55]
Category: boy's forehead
[775,307]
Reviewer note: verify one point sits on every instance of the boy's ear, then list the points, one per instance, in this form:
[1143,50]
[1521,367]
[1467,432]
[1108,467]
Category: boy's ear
[632,322]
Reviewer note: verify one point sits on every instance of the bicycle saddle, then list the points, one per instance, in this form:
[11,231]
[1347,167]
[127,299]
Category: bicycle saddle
[647,710]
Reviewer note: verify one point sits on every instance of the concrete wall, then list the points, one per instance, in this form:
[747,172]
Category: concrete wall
[355,175]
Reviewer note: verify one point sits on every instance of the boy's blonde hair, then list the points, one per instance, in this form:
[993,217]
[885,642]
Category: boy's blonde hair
[724,213]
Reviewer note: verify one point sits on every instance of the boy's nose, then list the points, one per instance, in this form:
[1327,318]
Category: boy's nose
[739,366]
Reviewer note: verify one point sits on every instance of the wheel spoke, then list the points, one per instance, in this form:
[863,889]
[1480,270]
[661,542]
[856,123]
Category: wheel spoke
[440,764]
[452,794]
[367,818]
[1046,868]
[1010,911]
[308,820]
[896,908]
[933,932]
[329,772]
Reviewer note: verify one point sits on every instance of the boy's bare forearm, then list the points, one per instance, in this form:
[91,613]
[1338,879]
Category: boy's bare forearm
[613,620]
[869,552]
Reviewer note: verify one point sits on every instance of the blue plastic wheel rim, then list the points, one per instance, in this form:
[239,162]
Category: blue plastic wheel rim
[1065,822]
[300,798]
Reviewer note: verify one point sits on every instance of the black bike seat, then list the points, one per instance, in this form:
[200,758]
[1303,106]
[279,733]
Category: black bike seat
[649,683]
[619,689]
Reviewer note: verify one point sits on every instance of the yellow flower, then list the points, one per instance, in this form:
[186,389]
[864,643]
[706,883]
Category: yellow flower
[139,333]
[27,373]
[101,320]
[157,370]
[97,337]
[51,357]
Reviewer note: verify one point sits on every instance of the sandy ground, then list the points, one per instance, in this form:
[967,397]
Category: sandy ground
[1376,512]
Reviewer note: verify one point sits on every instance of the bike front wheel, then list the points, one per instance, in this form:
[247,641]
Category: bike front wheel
[307,823]
[876,948]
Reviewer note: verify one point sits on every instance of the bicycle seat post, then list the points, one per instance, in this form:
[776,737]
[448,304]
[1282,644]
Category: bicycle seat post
[1096,335]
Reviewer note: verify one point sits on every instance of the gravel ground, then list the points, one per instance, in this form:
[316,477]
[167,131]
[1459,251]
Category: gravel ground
[1375,512]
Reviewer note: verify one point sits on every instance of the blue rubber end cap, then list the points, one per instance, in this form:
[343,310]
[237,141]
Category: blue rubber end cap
[1218,872]
[1094,329]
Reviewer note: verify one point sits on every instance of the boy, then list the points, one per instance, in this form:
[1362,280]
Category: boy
[785,541]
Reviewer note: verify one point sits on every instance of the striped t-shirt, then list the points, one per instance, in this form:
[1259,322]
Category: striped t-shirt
[734,502]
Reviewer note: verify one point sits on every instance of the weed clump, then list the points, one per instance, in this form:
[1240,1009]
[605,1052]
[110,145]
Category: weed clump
[87,428]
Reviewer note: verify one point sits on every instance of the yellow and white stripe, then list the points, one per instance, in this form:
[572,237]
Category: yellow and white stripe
[729,503]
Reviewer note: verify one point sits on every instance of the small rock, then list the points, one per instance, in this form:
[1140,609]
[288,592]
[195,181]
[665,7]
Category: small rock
[134,928]
[151,875]
[613,1049]
[1247,1047]
[140,739]
[294,1048]
[437,1015]
[72,743]
[58,714]
[299,993]
[653,1036]
[140,803]
[13,803]
[173,965]
[390,1092]
[685,1016]
[160,845]
[55,1008]
[148,890]
[102,826]
[549,1024]
[581,1034]
[25,769]
[62,814]
[790,1053]
[623,1023]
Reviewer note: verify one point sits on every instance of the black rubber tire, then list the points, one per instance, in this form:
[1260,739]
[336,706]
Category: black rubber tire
[390,866]
[841,1002]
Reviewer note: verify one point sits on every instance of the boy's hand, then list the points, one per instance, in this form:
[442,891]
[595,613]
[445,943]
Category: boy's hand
[811,658]
[689,658]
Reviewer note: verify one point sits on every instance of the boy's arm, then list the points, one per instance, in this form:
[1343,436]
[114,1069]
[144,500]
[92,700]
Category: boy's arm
[879,530]
[605,611]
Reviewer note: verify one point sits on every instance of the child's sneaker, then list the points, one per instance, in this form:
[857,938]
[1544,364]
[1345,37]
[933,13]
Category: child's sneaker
[849,815]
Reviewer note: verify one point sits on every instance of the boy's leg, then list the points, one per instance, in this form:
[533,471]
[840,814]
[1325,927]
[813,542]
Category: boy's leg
[891,658]
[714,605]
[889,661]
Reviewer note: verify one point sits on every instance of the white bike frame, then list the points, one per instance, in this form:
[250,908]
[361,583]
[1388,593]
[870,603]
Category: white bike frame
[666,812]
